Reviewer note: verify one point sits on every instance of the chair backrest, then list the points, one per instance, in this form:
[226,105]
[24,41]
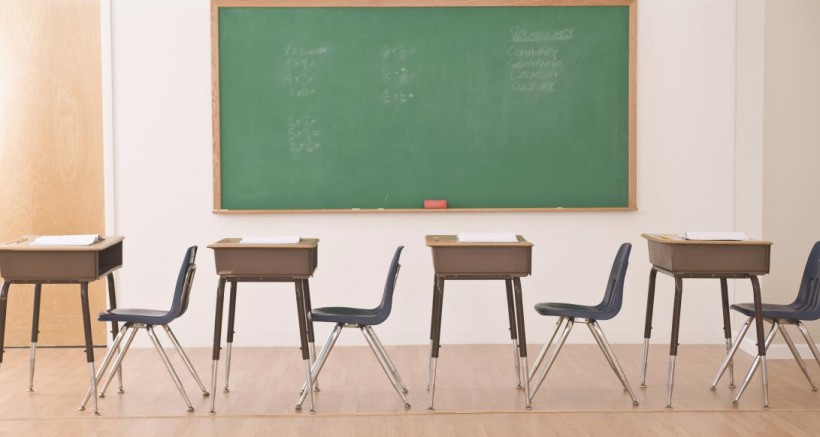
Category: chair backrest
[383,310]
[808,297]
[185,280]
[613,297]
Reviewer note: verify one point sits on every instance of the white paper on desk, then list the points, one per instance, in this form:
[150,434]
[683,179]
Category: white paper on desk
[486,237]
[715,236]
[66,240]
[278,239]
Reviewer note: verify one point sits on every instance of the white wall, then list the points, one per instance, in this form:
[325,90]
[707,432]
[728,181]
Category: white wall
[163,189]
[792,142]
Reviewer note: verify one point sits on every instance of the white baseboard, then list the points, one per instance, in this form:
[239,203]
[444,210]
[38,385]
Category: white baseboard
[777,351]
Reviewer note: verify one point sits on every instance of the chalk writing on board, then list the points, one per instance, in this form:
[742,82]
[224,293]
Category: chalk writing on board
[397,74]
[534,60]
[299,69]
[522,34]
[303,134]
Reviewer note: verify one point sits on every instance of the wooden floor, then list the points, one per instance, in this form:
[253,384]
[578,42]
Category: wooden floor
[475,396]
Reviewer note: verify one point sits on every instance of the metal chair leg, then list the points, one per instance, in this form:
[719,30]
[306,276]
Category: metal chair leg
[185,359]
[757,362]
[599,333]
[168,366]
[386,356]
[385,366]
[797,358]
[603,350]
[105,362]
[543,353]
[730,355]
[118,359]
[320,361]
[809,340]
[551,360]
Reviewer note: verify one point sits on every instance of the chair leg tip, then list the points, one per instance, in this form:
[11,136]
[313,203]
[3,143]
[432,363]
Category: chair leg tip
[226,390]
[206,394]
[406,406]
[713,388]
[635,403]
[405,391]
[120,391]
[190,409]
[732,385]
[101,395]
[642,386]
[298,408]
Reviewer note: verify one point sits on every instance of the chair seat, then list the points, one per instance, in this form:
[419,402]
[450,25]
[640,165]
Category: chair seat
[355,316]
[135,315]
[575,311]
[775,311]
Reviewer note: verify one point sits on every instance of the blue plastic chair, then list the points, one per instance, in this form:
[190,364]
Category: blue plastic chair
[364,319]
[136,319]
[806,307]
[566,312]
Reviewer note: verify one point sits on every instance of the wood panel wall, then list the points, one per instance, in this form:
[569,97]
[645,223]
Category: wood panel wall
[51,155]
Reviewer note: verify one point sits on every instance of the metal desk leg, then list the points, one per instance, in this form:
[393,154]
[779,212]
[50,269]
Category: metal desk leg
[432,331]
[303,341]
[4,294]
[727,327]
[729,355]
[89,344]
[513,330]
[756,363]
[311,339]
[231,318]
[673,343]
[115,329]
[220,301]
[35,331]
[438,301]
[522,340]
[647,329]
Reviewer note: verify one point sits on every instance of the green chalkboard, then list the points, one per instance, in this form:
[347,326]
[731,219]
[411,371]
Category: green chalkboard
[340,108]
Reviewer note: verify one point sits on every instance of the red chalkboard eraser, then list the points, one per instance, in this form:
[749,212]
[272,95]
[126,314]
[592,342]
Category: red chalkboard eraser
[435,204]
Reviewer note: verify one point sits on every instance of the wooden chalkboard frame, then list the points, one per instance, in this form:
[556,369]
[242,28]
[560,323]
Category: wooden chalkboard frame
[217,4]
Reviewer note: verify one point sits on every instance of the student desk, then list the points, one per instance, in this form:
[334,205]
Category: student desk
[453,260]
[242,262]
[679,258]
[22,263]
